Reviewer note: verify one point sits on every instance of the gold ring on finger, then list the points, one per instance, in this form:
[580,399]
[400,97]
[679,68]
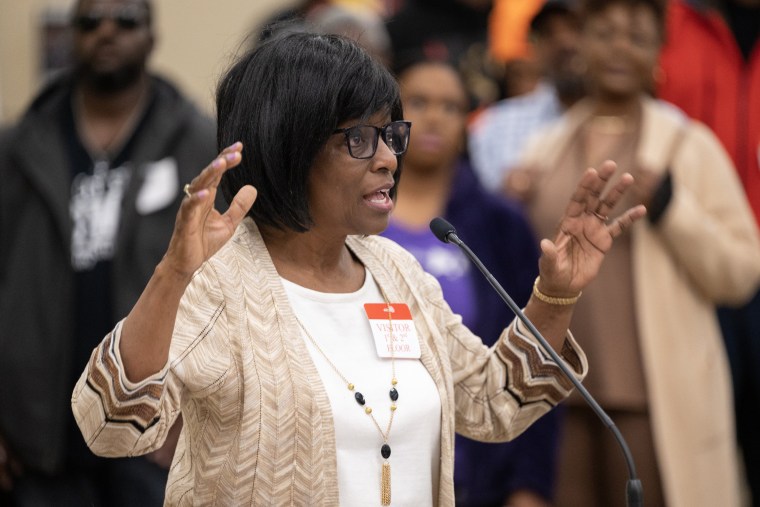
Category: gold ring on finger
[186,189]
[603,218]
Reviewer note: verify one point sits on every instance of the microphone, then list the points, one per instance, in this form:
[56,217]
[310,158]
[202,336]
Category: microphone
[446,232]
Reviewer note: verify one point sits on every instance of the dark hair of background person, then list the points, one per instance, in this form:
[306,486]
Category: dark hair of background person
[283,100]
[561,8]
[591,7]
[407,58]
[411,57]
[556,53]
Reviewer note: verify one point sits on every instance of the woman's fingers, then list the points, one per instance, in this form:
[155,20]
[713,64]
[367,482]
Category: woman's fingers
[199,201]
[577,204]
[587,194]
[584,235]
[240,205]
[625,220]
[211,175]
[236,146]
[597,185]
[610,200]
[230,158]
[190,210]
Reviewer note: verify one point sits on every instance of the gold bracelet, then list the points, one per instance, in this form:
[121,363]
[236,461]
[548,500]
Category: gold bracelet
[552,300]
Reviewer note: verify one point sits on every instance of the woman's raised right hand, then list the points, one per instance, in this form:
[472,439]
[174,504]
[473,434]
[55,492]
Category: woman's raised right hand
[200,230]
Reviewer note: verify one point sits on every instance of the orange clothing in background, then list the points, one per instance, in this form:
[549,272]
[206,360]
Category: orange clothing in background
[508,28]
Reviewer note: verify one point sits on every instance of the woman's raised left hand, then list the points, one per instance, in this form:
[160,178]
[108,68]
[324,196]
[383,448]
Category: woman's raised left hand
[585,233]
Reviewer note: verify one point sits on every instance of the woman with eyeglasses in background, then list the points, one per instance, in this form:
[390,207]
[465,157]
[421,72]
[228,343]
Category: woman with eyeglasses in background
[315,363]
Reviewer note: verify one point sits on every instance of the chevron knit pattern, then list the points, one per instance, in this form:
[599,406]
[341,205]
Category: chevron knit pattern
[257,425]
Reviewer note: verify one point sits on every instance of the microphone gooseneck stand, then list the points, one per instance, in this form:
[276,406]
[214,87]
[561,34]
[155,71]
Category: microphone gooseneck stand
[445,232]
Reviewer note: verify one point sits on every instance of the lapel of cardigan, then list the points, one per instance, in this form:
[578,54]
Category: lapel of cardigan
[307,379]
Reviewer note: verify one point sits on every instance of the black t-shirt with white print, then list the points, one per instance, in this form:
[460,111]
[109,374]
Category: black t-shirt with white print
[97,189]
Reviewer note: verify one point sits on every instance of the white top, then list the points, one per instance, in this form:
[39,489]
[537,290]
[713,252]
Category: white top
[338,323]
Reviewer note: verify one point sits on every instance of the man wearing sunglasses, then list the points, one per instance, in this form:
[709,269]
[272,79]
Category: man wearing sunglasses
[90,184]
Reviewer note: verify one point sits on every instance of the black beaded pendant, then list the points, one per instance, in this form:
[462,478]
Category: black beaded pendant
[359,398]
[394,394]
[385,451]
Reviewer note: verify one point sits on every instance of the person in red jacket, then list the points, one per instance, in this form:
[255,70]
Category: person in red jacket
[711,69]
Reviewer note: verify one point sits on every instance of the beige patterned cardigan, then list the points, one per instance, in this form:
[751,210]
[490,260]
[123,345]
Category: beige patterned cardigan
[257,423]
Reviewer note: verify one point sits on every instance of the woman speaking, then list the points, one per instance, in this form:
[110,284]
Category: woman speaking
[313,362]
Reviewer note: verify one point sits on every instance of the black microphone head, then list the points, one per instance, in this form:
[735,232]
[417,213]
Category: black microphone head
[441,228]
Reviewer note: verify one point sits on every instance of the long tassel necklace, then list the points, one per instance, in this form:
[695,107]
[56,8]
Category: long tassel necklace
[385,449]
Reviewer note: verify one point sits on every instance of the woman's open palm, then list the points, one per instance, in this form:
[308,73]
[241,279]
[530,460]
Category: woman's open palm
[585,233]
[200,230]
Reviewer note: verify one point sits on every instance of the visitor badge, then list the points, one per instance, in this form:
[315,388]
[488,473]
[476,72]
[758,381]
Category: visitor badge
[397,331]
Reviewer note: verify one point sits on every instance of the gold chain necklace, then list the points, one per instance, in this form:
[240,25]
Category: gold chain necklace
[385,449]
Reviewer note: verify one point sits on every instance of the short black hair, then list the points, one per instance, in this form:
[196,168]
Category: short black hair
[283,100]
[411,57]
[657,7]
[550,9]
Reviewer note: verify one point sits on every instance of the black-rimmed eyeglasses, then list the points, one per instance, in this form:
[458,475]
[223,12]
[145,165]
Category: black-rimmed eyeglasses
[362,139]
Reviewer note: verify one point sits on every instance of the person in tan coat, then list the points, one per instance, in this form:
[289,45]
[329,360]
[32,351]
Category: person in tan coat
[661,368]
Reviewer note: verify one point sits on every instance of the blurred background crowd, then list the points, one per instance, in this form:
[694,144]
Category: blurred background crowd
[510,101]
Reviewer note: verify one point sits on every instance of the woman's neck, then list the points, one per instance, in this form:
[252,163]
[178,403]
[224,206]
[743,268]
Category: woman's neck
[422,195]
[617,106]
[314,260]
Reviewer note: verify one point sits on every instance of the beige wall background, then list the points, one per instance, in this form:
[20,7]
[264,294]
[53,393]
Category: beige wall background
[196,41]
